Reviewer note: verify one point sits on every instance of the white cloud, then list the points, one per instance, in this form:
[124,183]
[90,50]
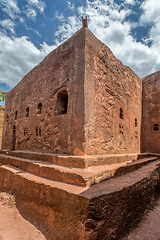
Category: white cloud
[151,15]
[14,12]
[30,12]
[10,7]
[8,25]
[151,10]
[107,21]
[45,48]
[131,2]
[21,20]
[71,6]
[32,7]
[37,3]
[18,56]
[68,28]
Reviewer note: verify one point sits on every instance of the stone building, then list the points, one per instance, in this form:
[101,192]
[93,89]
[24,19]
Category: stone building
[151,113]
[79,100]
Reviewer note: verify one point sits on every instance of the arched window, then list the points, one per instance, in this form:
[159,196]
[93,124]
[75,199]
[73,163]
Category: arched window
[39,108]
[156,127]
[16,115]
[27,111]
[135,122]
[121,113]
[62,103]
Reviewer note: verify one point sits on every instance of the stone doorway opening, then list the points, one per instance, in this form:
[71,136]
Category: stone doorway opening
[62,103]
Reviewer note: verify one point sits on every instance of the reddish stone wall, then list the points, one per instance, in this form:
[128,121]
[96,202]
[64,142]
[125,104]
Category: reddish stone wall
[111,86]
[151,113]
[97,84]
[61,70]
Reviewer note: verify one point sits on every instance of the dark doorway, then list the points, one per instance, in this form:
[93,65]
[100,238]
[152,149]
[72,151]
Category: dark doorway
[62,103]
[39,108]
[13,137]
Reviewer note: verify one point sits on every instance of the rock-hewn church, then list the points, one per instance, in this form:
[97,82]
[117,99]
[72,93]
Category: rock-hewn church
[81,142]
[80,100]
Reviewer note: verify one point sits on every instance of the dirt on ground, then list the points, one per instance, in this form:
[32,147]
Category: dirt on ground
[12,225]
[149,227]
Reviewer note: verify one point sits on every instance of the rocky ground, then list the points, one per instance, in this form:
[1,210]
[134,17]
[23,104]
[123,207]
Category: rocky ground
[14,227]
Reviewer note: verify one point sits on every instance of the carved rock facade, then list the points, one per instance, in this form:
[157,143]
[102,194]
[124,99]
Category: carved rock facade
[79,100]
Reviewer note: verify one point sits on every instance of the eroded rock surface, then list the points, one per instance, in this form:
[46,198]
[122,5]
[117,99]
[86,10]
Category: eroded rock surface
[151,113]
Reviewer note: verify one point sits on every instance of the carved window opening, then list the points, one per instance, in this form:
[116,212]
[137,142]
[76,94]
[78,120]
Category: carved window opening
[62,103]
[38,131]
[7,118]
[39,108]
[27,111]
[121,113]
[156,127]
[135,122]
[25,132]
[16,115]
[121,129]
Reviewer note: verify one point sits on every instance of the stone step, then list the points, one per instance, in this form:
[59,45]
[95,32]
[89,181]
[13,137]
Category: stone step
[64,160]
[118,204]
[14,171]
[104,211]
[123,181]
[75,176]
[47,170]
[75,161]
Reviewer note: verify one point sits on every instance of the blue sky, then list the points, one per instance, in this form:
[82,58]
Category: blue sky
[30,29]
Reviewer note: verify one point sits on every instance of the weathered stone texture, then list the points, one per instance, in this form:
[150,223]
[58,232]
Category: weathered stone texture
[151,113]
[109,87]
[106,210]
[85,74]
[61,70]
[112,215]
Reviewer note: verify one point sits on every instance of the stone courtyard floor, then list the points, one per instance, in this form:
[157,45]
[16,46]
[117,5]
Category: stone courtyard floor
[14,227]
[149,227]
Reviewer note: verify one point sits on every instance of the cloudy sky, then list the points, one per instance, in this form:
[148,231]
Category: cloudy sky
[30,29]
